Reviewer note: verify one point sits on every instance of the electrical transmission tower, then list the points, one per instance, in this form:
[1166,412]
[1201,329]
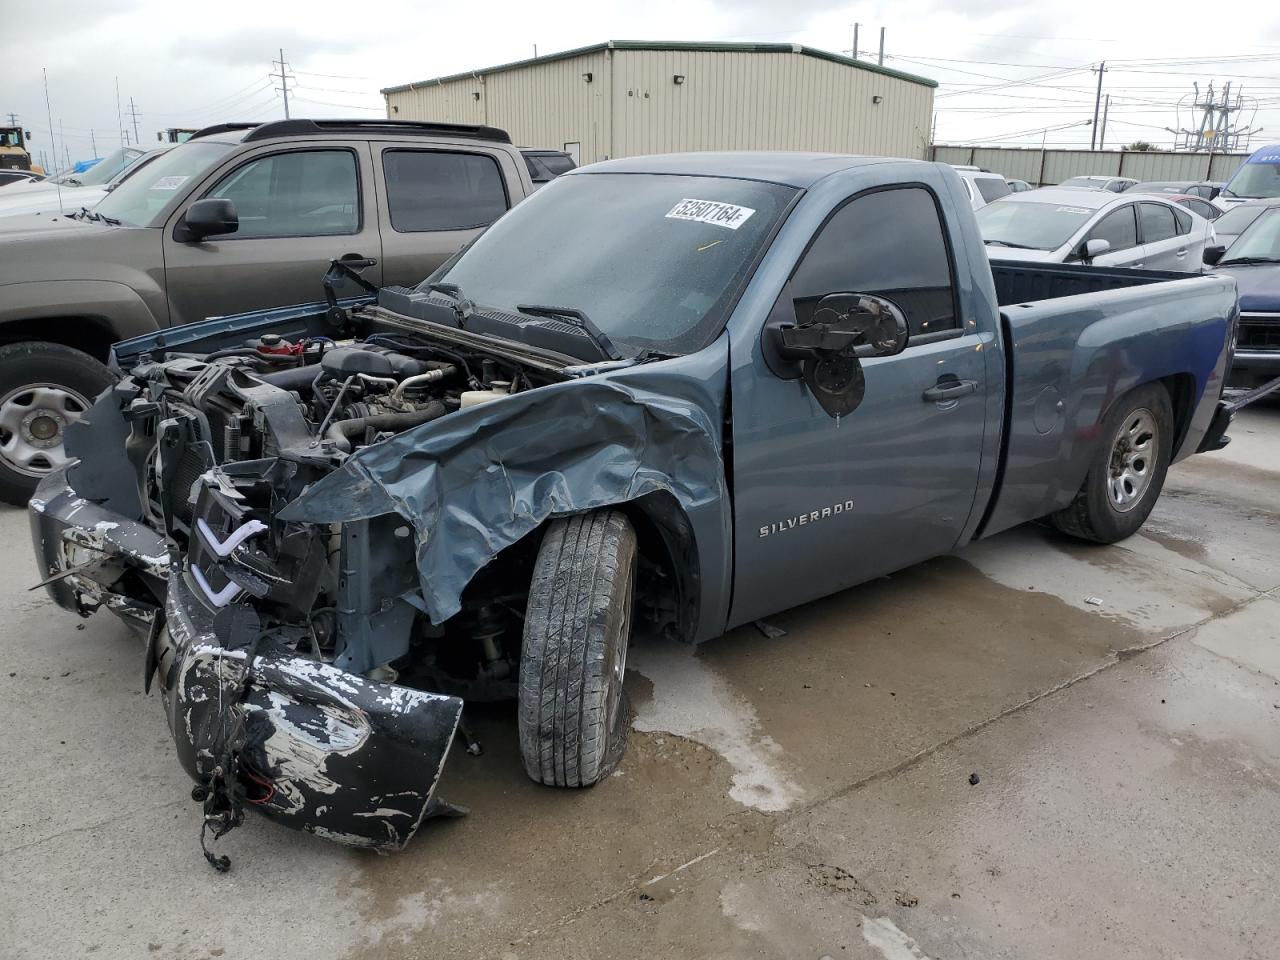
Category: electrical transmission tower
[133,115]
[1218,129]
[284,78]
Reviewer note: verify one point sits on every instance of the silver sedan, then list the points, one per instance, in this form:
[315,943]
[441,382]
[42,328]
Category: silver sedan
[1060,225]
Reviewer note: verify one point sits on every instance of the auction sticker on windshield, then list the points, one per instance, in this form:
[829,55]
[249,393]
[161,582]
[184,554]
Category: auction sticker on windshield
[169,183]
[1085,211]
[711,211]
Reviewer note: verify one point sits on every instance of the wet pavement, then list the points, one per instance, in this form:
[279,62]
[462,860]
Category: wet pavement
[1035,748]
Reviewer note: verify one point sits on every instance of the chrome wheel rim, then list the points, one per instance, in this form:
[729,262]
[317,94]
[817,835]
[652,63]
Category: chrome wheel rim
[1133,460]
[33,421]
[618,667]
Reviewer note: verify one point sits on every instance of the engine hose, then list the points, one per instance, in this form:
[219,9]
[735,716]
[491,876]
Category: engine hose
[341,432]
[295,378]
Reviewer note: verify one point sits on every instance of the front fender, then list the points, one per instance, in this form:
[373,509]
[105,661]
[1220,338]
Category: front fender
[477,481]
[117,306]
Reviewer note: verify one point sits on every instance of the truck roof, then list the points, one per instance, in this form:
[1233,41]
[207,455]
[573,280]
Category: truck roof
[793,169]
[303,127]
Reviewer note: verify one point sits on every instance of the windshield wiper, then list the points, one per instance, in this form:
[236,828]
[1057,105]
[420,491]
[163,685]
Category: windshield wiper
[1248,260]
[1016,246]
[578,319]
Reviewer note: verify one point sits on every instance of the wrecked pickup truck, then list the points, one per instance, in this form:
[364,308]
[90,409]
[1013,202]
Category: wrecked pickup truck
[663,396]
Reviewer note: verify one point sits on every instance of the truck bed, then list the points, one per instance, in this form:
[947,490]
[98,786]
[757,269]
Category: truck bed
[1018,282]
[1075,339]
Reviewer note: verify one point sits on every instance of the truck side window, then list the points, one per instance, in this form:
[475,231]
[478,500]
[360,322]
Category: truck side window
[1157,222]
[1118,228]
[434,190]
[302,193]
[889,243]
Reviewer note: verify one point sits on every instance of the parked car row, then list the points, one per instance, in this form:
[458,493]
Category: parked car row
[240,217]
[1187,226]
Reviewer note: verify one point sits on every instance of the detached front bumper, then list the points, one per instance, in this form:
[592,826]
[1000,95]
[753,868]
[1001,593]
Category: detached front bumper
[255,724]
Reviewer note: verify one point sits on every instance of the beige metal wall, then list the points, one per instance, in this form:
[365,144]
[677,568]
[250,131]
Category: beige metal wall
[728,101]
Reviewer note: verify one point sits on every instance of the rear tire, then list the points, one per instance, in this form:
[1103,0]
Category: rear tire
[1128,469]
[43,388]
[572,715]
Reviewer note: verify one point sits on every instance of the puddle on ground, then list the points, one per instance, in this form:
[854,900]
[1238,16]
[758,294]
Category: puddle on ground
[691,700]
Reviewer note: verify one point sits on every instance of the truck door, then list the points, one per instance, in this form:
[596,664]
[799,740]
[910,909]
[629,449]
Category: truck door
[822,503]
[434,202]
[299,208]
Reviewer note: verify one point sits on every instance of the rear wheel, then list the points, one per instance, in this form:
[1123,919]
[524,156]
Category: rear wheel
[44,387]
[1128,469]
[577,627]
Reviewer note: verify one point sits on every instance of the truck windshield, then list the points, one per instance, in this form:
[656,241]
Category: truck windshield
[1255,179]
[1233,222]
[1037,226]
[139,199]
[655,261]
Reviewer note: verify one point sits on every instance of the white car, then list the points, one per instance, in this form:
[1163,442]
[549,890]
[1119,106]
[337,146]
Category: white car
[1109,184]
[1065,225]
[982,186]
[70,191]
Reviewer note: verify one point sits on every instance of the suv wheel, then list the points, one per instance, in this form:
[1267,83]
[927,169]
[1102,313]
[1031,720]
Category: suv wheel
[44,387]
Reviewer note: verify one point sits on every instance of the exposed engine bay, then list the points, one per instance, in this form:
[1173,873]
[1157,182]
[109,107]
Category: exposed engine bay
[239,432]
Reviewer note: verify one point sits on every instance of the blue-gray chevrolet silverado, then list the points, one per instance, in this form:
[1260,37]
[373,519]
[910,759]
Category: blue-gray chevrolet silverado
[665,395]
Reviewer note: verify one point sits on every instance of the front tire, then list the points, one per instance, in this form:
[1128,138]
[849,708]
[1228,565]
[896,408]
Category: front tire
[44,387]
[1128,469]
[577,627]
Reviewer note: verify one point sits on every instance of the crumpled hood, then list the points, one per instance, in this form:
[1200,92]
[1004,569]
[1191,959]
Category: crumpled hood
[1259,286]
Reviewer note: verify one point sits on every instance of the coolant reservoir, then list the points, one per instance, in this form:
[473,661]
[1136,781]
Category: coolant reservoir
[471,398]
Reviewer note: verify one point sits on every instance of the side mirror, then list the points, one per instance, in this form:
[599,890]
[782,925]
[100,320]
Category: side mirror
[207,218]
[1094,248]
[1212,255]
[827,351]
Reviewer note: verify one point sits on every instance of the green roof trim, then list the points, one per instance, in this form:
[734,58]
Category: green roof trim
[670,45]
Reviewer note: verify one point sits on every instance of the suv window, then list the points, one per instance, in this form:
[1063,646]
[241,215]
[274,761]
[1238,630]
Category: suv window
[1157,222]
[302,193]
[434,190]
[1118,228]
[889,243]
[991,188]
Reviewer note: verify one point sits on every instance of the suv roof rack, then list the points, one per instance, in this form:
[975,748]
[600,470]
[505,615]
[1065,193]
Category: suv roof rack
[304,128]
[221,128]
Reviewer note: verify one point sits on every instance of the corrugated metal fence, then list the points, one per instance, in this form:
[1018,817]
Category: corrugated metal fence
[1042,167]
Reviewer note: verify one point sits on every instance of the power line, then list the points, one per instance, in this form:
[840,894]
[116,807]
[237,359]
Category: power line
[133,115]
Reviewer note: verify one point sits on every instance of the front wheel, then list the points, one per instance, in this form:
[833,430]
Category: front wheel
[576,630]
[1128,469]
[44,387]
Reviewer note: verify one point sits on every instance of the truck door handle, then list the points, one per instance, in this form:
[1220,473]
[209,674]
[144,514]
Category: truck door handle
[949,388]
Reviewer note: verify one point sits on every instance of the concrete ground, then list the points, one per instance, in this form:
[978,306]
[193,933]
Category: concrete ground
[1035,748]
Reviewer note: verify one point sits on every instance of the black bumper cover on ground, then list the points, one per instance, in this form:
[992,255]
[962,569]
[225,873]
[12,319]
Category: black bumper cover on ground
[306,744]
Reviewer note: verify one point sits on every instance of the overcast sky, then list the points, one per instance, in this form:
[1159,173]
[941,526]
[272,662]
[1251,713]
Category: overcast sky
[190,65]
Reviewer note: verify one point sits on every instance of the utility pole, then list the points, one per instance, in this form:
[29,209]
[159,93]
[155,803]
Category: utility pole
[133,115]
[284,82]
[1100,69]
[882,46]
[13,119]
[93,140]
[119,115]
[855,40]
[1102,134]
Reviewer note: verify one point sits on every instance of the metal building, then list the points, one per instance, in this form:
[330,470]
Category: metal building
[625,98]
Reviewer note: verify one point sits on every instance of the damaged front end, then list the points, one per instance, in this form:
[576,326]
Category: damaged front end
[323,532]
